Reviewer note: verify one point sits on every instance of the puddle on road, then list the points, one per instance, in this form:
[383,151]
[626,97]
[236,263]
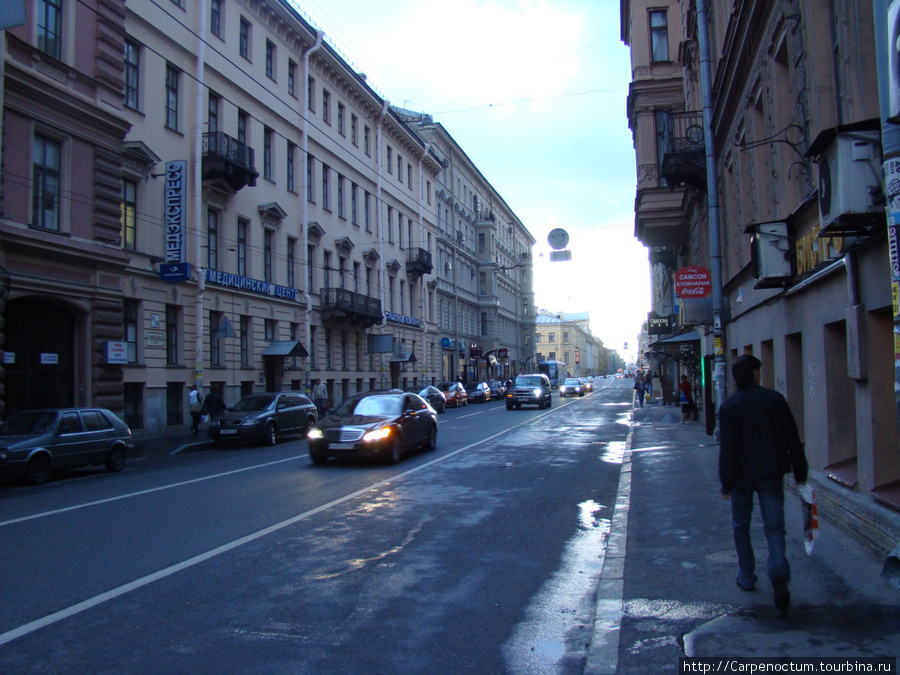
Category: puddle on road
[560,615]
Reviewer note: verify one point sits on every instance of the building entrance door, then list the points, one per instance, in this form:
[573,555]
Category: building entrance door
[40,370]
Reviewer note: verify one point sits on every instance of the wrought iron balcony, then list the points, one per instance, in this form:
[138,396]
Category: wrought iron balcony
[228,160]
[343,306]
[683,146]
[418,263]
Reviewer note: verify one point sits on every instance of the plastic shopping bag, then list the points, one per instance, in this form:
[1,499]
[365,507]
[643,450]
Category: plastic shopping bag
[810,517]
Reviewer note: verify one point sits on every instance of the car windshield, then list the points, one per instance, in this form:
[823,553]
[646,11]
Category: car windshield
[424,393]
[471,387]
[573,381]
[25,423]
[253,403]
[446,386]
[529,382]
[378,406]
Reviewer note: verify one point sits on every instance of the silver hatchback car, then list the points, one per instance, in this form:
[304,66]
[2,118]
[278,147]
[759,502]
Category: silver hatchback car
[34,443]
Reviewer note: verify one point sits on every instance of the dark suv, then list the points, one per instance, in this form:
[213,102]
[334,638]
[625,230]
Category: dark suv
[531,389]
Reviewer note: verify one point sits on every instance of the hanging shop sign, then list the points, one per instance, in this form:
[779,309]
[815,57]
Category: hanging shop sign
[693,282]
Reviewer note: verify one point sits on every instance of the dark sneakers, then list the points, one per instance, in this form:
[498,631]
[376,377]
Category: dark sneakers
[745,585]
[782,595]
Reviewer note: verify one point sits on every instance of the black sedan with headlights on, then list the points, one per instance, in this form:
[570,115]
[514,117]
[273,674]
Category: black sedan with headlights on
[374,424]
[264,417]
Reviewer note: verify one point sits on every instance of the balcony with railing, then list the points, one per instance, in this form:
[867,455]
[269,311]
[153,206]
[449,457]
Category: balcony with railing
[228,160]
[418,263]
[683,148]
[341,306]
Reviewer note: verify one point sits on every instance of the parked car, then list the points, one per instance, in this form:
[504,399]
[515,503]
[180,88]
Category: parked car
[498,390]
[587,383]
[34,443]
[264,417]
[571,387]
[478,392]
[374,424]
[454,393]
[435,398]
[532,389]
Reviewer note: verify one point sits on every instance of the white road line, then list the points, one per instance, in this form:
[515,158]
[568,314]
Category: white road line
[77,608]
[129,495]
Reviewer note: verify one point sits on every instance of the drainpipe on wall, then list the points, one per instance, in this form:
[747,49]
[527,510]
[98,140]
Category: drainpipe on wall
[890,153]
[304,201]
[379,223]
[198,195]
[424,290]
[712,196]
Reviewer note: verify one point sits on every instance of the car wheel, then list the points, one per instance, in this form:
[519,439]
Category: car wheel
[509,406]
[116,459]
[549,402]
[431,441]
[542,405]
[394,451]
[318,458]
[38,470]
[269,436]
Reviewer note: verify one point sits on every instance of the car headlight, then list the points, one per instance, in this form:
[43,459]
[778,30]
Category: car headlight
[250,422]
[377,435]
[537,392]
[315,434]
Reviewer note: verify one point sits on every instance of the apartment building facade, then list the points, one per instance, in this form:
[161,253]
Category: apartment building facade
[800,215]
[244,208]
[567,337]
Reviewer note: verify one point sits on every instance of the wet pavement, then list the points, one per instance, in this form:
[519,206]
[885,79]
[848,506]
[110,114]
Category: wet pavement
[668,586]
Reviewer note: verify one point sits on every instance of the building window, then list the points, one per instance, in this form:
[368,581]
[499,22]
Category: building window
[340,196]
[565,336]
[366,211]
[659,35]
[291,261]
[212,239]
[49,27]
[310,256]
[172,97]
[245,341]
[215,356]
[134,405]
[325,172]
[212,113]
[243,123]
[270,59]
[130,328]
[132,74]
[291,151]
[326,269]
[551,337]
[292,78]
[242,226]
[399,169]
[129,214]
[172,333]
[390,224]
[484,323]
[215,18]
[326,106]
[390,159]
[244,41]
[309,178]
[354,123]
[481,243]
[311,94]
[46,183]
[269,328]
[267,154]
[340,121]
[267,255]
[409,176]
[366,141]
[354,206]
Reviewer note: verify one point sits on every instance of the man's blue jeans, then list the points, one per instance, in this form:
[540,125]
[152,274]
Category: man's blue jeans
[771,505]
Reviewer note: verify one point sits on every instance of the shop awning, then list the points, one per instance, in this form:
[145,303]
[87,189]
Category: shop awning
[285,348]
[684,337]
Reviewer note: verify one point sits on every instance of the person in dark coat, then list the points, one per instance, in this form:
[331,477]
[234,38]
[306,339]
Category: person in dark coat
[759,444]
[214,404]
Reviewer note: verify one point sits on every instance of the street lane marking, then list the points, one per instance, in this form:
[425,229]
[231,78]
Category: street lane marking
[129,495]
[77,608]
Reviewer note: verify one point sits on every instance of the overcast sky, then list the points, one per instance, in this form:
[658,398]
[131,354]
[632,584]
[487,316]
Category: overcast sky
[534,91]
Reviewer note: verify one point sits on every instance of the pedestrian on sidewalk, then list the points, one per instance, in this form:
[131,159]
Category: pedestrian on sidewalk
[759,444]
[320,396]
[639,387]
[195,405]
[686,398]
[648,384]
[214,405]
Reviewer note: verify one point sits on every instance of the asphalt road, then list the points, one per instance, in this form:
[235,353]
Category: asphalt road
[482,556]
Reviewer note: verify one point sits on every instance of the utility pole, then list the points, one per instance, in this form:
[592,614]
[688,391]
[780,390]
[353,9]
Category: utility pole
[712,196]
[885,50]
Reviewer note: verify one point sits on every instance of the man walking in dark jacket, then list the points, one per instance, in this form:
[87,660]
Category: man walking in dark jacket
[759,444]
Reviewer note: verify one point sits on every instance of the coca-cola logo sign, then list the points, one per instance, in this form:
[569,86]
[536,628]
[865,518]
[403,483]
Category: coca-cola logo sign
[693,282]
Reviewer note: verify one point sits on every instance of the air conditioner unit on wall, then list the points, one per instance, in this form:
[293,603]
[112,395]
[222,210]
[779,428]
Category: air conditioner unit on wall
[850,196]
[769,253]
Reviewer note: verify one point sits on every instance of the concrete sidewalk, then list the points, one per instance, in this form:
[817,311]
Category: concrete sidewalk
[668,580]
